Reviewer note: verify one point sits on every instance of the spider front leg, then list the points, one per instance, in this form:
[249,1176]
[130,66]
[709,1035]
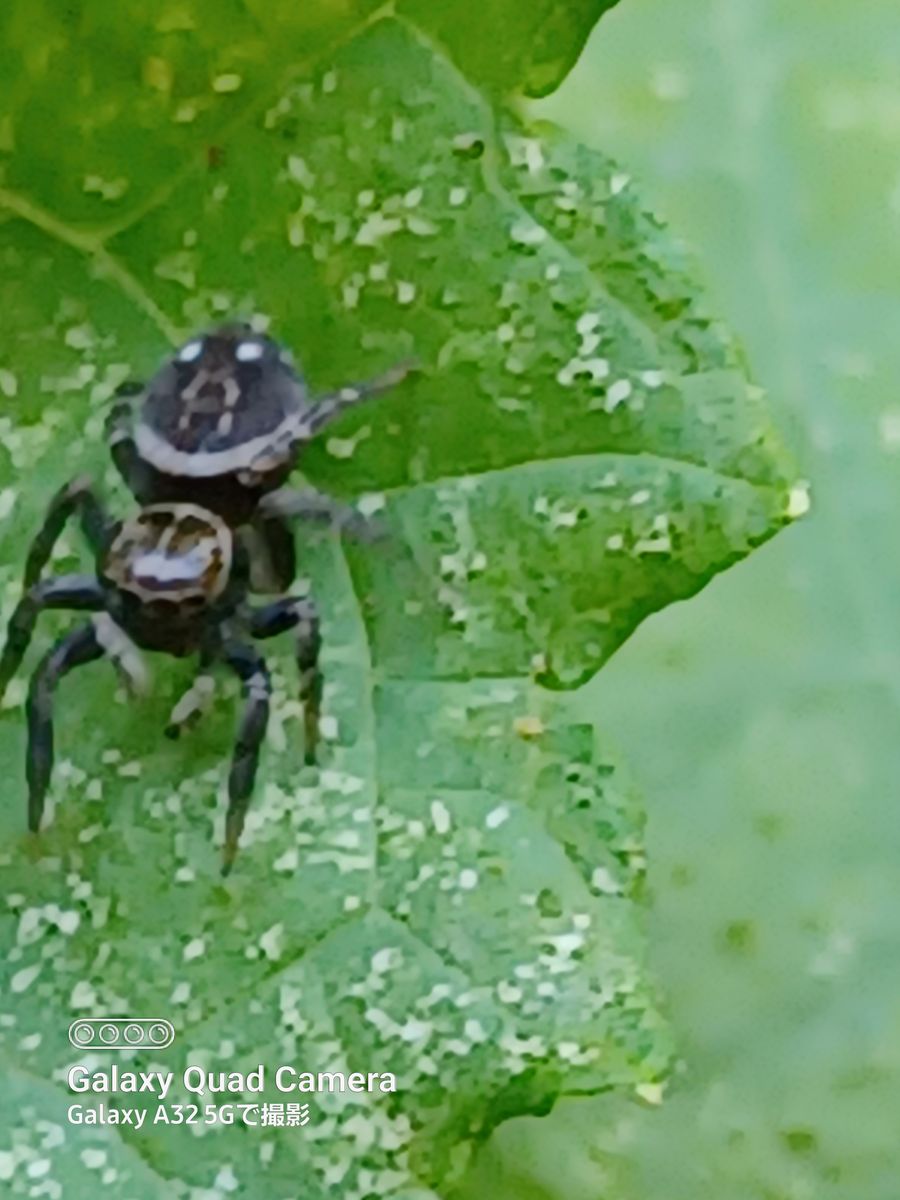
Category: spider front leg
[300,614]
[251,669]
[120,438]
[77,592]
[308,504]
[271,554]
[327,407]
[78,496]
[74,650]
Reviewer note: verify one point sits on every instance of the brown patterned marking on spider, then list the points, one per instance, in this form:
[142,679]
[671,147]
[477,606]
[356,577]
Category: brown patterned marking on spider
[171,578]
[180,551]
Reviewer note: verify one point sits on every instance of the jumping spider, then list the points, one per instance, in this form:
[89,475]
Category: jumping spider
[206,454]
[222,424]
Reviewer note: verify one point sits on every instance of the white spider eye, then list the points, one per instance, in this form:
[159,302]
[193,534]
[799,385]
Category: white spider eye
[248,351]
[191,351]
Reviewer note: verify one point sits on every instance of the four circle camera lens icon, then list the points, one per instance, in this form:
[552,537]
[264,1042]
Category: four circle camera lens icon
[121,1033]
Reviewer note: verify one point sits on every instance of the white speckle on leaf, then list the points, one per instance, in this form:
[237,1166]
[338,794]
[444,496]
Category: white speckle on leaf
[83,995]
[68,922]
[528,726]
[22,980]
[440,817]
[289,861]
[386,959]
[526,232]
[230,81]
[509,993]
[181,993]
[415,1030]
[603,881]
[617,394]
[300,172]
[376,227]
[652,1093]
[195,948]
[271,942]
[371,503]
[798,503]
[226,1180]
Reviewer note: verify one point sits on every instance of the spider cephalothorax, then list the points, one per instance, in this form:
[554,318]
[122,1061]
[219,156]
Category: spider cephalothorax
[227,402]
[170,578]
[222,424]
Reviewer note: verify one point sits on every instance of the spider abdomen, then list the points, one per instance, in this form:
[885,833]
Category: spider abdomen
[178,553]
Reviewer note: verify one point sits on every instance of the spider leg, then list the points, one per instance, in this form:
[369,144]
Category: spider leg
[75,649]
[311,505]
[195,700]
[327,407]
[299,614]
[124,655]
[78,592]
[77,496]
[271,554]
[122,448]
[251,669]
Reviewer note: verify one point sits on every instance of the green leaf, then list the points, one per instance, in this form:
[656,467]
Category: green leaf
[452,896]
[518,47]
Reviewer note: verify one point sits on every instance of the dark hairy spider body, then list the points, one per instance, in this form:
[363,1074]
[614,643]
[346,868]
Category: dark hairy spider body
[206,448]
[222,425]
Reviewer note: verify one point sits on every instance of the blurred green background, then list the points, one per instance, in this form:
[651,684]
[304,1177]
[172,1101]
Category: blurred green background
[762,718]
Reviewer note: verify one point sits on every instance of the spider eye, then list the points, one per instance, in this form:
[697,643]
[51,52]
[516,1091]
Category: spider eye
[191,351]
[249,351]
